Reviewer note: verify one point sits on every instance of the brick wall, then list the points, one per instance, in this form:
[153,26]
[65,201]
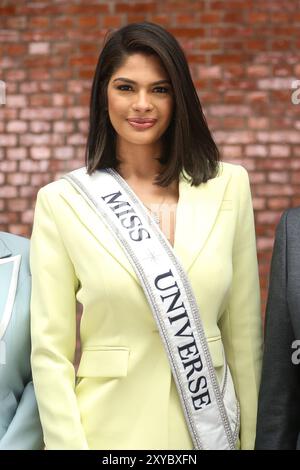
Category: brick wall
[243,54]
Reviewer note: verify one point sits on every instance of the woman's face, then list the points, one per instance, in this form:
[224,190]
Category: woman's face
[133,93]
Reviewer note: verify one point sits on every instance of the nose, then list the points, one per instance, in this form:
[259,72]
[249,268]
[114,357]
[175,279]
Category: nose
[142,102]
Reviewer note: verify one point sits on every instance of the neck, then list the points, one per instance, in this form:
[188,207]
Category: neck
[139,162]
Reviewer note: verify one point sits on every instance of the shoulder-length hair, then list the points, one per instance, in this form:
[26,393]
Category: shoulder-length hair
[187,143]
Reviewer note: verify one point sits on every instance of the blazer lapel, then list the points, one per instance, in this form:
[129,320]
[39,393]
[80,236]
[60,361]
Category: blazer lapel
[197,210]
[9,273]
[4,250]
[92,221]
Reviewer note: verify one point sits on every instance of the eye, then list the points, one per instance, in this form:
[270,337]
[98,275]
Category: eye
[123,87]
[162,89]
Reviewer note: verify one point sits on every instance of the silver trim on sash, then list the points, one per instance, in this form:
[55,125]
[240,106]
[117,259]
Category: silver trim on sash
[212,425]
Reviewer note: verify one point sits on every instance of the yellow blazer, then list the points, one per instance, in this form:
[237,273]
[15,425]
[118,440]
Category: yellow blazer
[123,395]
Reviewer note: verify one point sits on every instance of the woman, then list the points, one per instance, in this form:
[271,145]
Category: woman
[153,223]
[20,426]
[278,424]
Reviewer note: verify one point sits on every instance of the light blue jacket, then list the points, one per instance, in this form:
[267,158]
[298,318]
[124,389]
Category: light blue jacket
[20,426]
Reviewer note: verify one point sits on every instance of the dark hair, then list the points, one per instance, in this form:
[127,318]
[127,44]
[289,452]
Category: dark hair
[188,143]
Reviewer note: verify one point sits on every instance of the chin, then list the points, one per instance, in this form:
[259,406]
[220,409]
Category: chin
[142,139]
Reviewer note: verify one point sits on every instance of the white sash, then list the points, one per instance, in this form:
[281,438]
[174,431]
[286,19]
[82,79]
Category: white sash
[212,414]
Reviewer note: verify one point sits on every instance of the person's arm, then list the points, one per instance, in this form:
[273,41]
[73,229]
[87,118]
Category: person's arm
[24,431]
[240,325]
[53,328]
[278,421]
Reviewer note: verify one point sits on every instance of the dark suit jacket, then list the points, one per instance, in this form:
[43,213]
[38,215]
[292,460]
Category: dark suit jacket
[278,425]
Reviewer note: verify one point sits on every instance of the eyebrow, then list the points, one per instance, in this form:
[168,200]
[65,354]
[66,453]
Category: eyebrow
[127,80]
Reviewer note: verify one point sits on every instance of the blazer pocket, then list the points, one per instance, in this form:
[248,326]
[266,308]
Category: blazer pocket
[8,407]
[103,362]
[216,351]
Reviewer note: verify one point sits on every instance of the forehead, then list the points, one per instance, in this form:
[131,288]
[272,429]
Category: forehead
[141,68]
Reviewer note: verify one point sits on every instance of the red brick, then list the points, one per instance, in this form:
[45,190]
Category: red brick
[270,189]
[295,177]
[258,17]
[64,153]
[86,74]
[65,100]
[280,151]
[258,71]
[276,83]
[17,179]
[38,22]
[256,151]
[34,166]
[18,229]
[278,177]
[37,100]
[188,32]
[258,123]
[17,126]
[41,139]
[7,10]
[49,114]
[135,7]
[7,192]
[278,203]
[271,164]
[259,203]
[77,113]
[265,243]
[225,59]
[64,127]
[233,97]
[233,122]
[16,101]
[88,22]
[210,18]
[16,49]
[8,140]
[29,87]
[39,48]
[267,217]
[235,137]
[15,76]
[40,153]
[83,59]
[76,139]
[228,110]
[231,151]
[38,74]
[115,21]
[39,126]
[18,153]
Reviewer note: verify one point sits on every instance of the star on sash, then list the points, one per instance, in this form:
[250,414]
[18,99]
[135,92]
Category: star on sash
[151,255]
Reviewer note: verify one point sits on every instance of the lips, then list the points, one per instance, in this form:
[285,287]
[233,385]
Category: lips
[141,123]
[142,120]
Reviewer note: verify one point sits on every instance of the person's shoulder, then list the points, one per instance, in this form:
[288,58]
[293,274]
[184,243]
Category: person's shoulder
[15,243]
[232,169]
[291,217]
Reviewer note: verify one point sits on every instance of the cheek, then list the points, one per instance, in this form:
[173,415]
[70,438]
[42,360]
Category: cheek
[115,105]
